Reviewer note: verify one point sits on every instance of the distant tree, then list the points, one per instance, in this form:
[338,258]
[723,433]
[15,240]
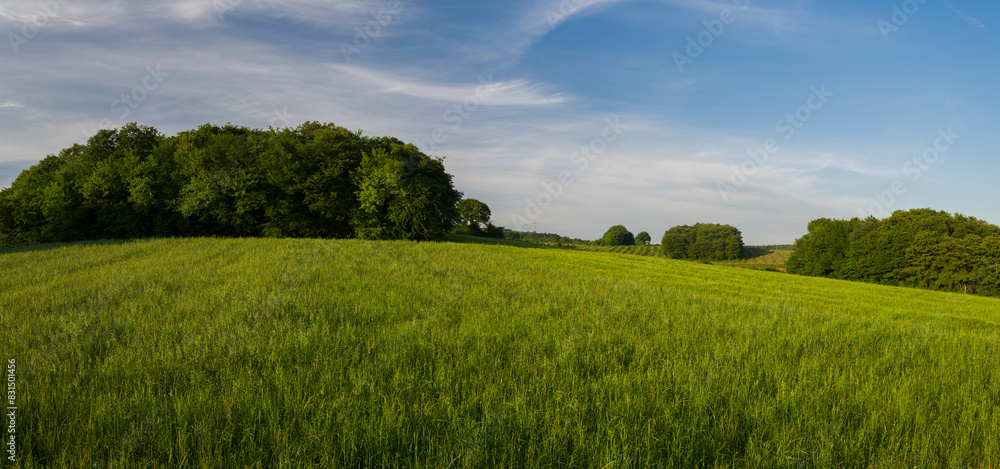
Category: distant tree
[703,241]
[473,213]
[474,219]
[532,237]
[618,236]
[676,240]
[493,231]
[642,238]
[918,248]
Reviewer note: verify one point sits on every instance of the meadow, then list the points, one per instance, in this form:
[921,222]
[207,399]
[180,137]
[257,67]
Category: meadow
[206,352]
[753,257]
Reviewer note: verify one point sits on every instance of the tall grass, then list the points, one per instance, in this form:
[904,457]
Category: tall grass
[309,353]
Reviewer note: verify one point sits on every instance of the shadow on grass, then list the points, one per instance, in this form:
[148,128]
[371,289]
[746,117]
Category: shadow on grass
[51,246]
[466,239]
[450,238]
[753,252]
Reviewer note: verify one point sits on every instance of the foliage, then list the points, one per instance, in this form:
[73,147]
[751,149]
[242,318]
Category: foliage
[618,236]
[825,247]
[348,353]
[403,194]
[532,237]
[642,238]
[917,248]
[703,241]
[474,220]
[317,180]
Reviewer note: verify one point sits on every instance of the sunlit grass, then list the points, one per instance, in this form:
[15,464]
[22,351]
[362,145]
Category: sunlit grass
[312,353]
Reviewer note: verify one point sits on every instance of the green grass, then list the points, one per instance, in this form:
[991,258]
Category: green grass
[311,353]
[652,251]
[754,257]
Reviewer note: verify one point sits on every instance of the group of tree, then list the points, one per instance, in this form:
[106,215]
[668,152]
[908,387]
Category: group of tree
[545,238]
[316,180]
[917,248]
[703,241]
[618,235]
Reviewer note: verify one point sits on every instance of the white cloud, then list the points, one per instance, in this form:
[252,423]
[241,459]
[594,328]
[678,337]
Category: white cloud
[62,15]
[339,15]
[12,104]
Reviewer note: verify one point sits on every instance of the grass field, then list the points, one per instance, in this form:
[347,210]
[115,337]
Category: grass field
[753,257]
[311,353]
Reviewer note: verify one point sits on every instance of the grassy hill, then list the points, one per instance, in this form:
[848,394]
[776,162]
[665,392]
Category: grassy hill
[312,353]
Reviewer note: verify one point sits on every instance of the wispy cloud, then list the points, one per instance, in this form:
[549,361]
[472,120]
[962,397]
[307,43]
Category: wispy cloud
[517,92]
[517,34]
[965,16]
[525,109]
[79,14]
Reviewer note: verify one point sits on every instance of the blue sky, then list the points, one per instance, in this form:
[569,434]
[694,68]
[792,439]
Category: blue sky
[572,114]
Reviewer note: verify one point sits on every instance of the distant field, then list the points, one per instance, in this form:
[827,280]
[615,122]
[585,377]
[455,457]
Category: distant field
[312,353]
[653,251]
[753,256]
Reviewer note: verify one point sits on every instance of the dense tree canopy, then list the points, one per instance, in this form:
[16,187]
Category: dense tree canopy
[532,237]
[919,248]
[317,180]
[703,241]
[618,236]
[475,220]
[643,238]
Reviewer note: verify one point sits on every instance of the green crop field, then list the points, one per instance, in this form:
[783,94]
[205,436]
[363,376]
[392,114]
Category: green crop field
[314,353]
[753,257]
[653,251]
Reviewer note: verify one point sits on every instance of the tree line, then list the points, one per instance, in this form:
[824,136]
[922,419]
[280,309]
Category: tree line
[316,180]
[916,248]
[703,241]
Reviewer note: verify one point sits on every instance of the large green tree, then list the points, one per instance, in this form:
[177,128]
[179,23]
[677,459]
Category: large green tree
[703,241]
[404,194]
[475,219]
[642,238]
[618,235]
[823,250]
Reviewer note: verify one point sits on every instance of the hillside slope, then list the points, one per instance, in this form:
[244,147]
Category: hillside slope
[312,353]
